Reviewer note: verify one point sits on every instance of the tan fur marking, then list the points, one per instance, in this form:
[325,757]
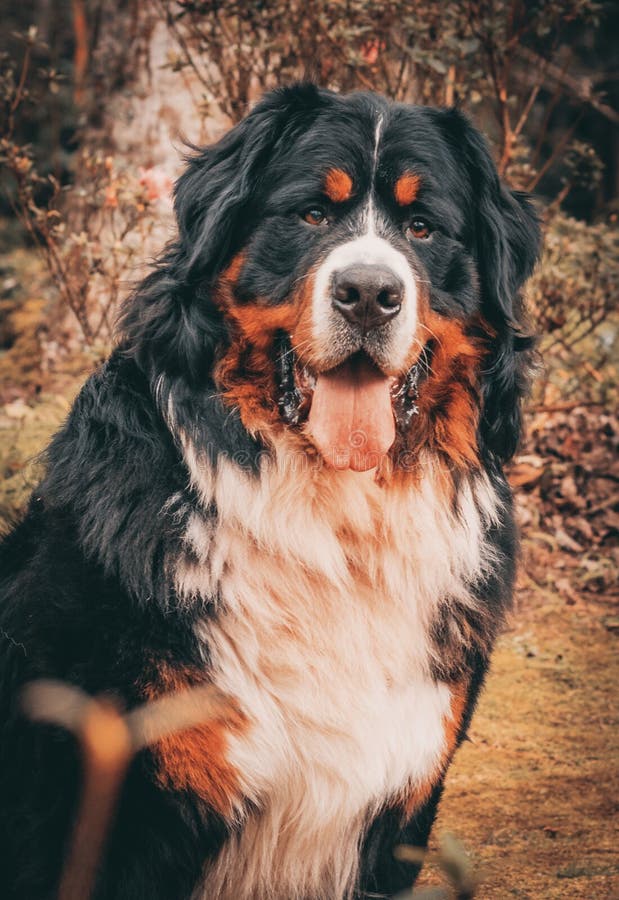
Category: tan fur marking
[449,402]
[246,372]
[195,760]
[338,185]
[459,693]
[257,321]
[406,189]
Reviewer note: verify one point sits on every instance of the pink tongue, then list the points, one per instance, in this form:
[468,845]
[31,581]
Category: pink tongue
[351,420]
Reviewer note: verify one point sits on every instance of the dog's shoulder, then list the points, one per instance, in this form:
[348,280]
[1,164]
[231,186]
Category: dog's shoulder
[106,498]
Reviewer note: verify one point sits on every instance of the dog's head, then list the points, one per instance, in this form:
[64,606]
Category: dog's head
[350,269]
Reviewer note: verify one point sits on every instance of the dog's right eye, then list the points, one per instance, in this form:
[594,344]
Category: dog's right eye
[418,229]
[315,216]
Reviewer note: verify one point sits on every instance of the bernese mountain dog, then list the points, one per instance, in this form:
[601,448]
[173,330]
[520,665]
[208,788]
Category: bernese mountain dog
[286,482]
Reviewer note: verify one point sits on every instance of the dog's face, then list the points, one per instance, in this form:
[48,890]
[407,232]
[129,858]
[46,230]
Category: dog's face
[360,217]
[365,262]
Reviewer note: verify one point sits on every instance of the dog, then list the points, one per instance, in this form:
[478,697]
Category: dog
[286,482]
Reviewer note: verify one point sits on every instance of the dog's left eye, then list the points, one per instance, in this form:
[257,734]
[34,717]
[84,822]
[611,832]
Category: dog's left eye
[315,216]
[418,229]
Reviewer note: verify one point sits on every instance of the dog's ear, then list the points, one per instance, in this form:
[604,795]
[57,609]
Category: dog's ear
[505,240]
[219,182]
[506,233]
[170,324]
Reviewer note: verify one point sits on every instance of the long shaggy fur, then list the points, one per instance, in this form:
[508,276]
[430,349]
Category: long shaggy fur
[188,531]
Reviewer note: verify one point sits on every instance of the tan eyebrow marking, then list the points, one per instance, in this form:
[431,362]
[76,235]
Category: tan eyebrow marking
[406,189]
[338,185]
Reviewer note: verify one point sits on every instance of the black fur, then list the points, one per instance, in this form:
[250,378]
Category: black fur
[84,589]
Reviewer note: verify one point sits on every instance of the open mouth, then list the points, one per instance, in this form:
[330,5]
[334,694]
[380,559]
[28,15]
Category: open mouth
[351,411]
[351,419]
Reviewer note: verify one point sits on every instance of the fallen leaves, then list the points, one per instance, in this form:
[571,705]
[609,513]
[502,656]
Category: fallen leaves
[567,494]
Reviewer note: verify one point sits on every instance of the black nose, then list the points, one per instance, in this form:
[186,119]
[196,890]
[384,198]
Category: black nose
[366,295]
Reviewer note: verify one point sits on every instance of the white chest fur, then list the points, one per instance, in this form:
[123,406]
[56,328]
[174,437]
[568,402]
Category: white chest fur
[328,584]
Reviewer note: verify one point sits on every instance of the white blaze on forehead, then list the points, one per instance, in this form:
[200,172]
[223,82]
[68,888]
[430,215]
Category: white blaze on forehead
[377,134]
[367,248]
